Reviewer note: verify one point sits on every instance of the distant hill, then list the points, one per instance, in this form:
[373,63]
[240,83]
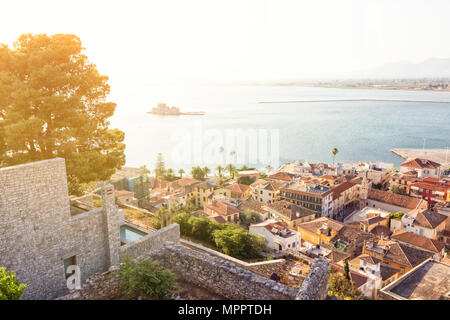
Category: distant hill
[431,68]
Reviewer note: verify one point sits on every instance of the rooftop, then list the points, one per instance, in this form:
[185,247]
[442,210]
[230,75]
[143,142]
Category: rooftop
[429,281]
[420,163]
[282,176]
[394,199]
[429,219]
[366,212]
[418,241]
[289,210]
[222,208]
[307,188]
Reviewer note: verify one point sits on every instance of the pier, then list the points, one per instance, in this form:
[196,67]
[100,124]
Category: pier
[441,156]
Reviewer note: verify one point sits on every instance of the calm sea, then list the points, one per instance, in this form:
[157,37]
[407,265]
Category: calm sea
[361,130]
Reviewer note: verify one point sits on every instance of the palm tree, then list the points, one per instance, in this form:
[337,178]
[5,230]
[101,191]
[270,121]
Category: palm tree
[335,151]
[206,170]
[219,169]
[230,169]
[181,171]
[170,172]
[220,180]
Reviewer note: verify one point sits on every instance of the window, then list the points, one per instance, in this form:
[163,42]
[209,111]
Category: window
[72,261]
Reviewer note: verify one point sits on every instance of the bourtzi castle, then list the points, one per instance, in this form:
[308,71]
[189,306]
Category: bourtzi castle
[41,234]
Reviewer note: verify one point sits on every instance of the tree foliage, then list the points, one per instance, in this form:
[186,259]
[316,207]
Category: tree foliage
[10,287]
[53,104]
[247,180]
[162,218]
[197,173]
[249,217]
[395,188]
[229,238]
[342,287]
[147,279]
[238,243]
[160,168]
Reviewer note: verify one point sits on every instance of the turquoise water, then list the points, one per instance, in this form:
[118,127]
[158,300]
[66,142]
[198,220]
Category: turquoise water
[129,234]
[361,130]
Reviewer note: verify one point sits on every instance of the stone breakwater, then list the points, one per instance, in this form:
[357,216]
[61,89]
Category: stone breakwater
[214,274]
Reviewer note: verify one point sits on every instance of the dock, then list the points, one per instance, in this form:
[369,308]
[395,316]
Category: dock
[441,156]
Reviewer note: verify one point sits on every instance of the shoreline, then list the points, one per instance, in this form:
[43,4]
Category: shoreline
[356,100]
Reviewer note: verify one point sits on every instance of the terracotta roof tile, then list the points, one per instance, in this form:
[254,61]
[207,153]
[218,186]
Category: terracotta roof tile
[394,199]
[419,163]
[418,241]
[429,219]
[238,188]
[222,208]
[289,210]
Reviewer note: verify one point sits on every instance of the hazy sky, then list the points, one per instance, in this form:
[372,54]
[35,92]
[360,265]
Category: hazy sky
[209,40]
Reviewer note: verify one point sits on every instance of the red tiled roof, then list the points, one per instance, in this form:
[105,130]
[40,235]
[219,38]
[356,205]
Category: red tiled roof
[418,163]
[429,219]
[380,231]
[394,199]
[289,210]
[222,208]
[429,186]
[283,176]
[183,182]
[218,219]
[340,188]
[238,188]
[418,241]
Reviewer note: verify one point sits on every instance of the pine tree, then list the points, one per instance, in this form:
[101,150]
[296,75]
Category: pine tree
[160,169]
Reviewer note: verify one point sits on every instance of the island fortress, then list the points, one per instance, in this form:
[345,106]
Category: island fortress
[165,110]
[41,235]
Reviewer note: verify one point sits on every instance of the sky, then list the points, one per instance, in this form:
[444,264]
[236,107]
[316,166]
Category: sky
[169,41]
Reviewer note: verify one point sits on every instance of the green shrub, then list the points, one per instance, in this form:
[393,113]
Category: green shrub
[238,243]
[10,287]
[183,220]
[147,279]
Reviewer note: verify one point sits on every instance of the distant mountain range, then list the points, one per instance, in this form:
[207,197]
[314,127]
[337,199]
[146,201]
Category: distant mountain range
[431,68]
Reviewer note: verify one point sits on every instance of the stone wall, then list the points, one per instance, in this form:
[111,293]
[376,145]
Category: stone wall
[264,268]
[100,286]
[315,285]
[151,242]
[218,275]
[37,230]
[214,274]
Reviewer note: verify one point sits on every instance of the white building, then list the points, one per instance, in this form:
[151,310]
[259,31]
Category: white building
[278,236]
[424,168]
[263,191]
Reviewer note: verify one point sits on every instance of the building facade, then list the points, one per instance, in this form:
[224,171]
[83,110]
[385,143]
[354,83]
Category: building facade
[40,236]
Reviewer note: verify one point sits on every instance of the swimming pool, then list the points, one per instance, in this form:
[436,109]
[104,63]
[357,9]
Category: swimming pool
[130,234]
